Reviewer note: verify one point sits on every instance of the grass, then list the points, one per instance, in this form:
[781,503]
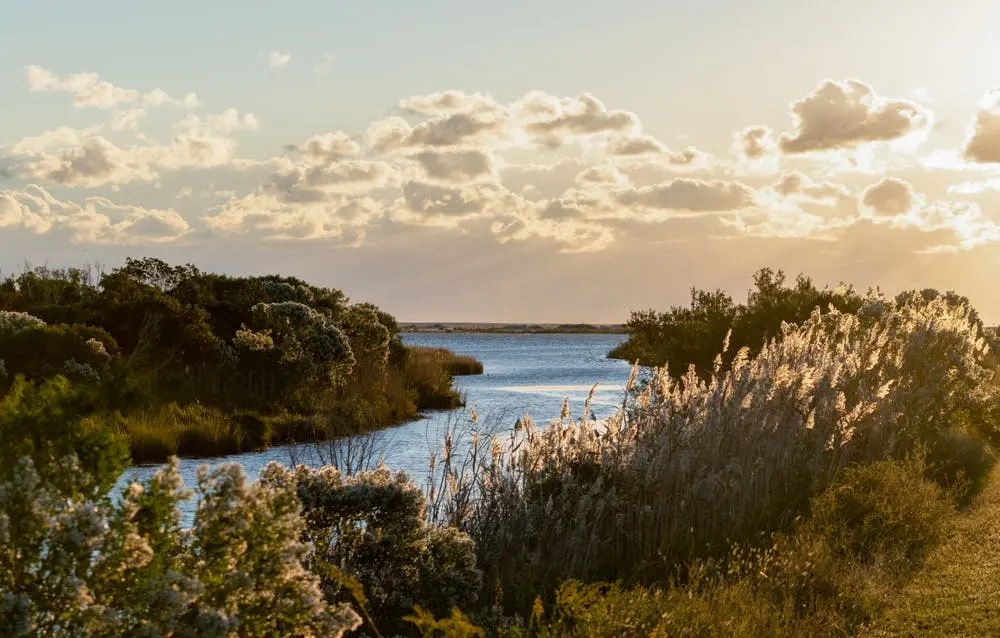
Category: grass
[842,567]
[957,593]
[455,364]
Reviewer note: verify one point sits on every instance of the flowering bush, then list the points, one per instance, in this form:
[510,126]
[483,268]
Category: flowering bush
[372,527]
[88,567]
[12,321]
[305,340]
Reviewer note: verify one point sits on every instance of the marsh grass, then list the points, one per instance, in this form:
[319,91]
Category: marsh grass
[831,576]
[428,372]
[690,468]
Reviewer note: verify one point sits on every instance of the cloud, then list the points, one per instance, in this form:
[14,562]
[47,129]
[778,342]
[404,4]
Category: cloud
[454,130]
[158,97]
[692,195]
[983,142]
[97,221]
[269,217]
[127,119]
[797,183]
[571,235]
[90,161]
[423,201]
[553,121]
[754,142]
[328,147]
[635,145]
[326,182]
[975,188]
[448,103]
[277,59]
[889,197]
[605,174]
[90,91]
[843,115]
[456,166]
[891,203]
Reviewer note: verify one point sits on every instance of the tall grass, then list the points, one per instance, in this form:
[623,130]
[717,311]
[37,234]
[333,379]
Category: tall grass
[455,364]
[690,467]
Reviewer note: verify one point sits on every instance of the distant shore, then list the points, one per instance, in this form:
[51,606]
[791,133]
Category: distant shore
[513,328]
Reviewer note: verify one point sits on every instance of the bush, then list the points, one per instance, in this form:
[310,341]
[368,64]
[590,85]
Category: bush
[959,463]
[41,351]
[372,526]
[884,509]
[85,566]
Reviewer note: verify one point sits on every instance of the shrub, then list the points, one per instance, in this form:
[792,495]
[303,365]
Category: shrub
[76,566]
[372,526]
[254,432]
[47,422]
[40,351]
[692,336]
[959,463]
[882,509]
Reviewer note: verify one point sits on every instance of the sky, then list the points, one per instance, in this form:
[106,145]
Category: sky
[509,162]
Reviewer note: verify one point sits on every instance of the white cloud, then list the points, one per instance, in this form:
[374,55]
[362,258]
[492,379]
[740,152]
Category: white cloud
[97,221]
[89,90]
[277,59]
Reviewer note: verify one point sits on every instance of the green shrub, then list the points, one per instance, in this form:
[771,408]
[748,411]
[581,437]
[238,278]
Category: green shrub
[959,463]
[43,351]
[47,422]
[883,509]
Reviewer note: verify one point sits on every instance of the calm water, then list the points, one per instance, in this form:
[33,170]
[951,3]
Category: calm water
[530,374]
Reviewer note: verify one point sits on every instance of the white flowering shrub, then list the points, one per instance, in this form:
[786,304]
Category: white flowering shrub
[99,349]
[81,371]
[304,339]
[73,566]
[689,466]
[12,321]
[278,291]
[372,527]
[251,341]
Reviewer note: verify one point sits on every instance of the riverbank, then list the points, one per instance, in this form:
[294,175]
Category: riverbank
[155,434]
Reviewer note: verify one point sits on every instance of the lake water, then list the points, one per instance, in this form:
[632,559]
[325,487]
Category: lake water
[522,374]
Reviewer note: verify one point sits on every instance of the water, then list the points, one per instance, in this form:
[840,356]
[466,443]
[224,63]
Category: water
[522,374]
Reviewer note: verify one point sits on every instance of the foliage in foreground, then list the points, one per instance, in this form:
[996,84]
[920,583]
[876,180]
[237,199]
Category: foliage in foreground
[275,557]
